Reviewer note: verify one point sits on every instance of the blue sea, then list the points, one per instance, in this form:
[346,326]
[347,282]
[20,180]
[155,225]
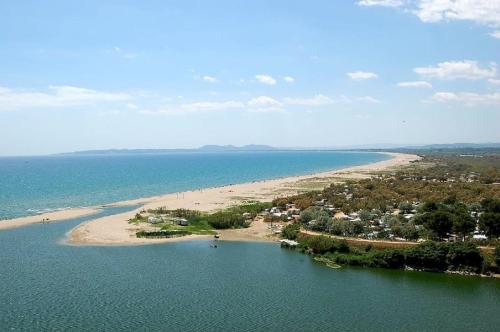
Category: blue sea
[31,185]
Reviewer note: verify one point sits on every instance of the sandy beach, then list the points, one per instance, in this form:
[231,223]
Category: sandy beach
[115,229]
[47,217]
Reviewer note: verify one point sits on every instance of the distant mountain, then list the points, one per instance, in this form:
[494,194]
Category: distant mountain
[205,148]
[456,146]
[251,147]
[254,147]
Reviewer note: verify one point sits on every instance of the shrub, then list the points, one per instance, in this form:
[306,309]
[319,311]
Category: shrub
[226,219]
[428,256]
[320,244]
[162,233]
[392,259]
[291,231]
[464,256]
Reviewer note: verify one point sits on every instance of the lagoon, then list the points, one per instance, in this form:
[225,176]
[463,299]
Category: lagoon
[188,286]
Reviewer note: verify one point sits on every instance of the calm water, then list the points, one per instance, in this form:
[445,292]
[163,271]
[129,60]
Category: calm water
[189,286]
[30,185]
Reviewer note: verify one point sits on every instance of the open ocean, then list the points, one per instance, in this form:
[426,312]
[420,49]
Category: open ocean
[31,185]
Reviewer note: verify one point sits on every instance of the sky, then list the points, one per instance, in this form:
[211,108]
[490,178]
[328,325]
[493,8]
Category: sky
[178,74]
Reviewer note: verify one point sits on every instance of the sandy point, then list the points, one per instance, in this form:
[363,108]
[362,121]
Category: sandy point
[116,230]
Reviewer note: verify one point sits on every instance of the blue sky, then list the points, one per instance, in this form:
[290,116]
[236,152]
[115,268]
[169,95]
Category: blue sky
[168,74]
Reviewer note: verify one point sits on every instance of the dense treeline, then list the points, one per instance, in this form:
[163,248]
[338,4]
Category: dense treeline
[428,256]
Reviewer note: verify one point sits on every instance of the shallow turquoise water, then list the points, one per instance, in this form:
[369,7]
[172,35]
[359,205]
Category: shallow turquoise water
[189,286]
[30,185]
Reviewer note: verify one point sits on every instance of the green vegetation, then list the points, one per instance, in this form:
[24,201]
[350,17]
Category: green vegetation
[490,219]
[162,234]
[436,178]
[195,226]
[291,231]
[226,219]
[428,256]
[233,217]
[450,199]
[181,222]
[441,197]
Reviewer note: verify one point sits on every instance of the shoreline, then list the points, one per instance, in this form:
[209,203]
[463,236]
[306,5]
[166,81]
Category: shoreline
[115,229]
[49,217]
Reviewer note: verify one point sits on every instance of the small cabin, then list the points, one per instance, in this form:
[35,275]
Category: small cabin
[181,221]
[153,220]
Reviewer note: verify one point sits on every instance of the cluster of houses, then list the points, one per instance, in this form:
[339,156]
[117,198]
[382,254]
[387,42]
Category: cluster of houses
[289,213]
[375,226]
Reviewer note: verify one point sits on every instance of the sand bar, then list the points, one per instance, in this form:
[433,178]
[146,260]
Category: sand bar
[115,229]
[48,217]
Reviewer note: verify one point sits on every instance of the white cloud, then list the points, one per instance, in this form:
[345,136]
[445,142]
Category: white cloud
[415,84]
[467,98]
[494,81]
[289,79]
[450,70]
[368,99]
[264,101]
[384,3]
[209,79]
[55,96]
[265,79]
[495,34]
[361,75]
[265,104]
[317,100]
[484,12]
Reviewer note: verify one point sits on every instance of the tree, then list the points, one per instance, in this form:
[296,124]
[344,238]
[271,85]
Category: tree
[410,232]
[428,256]
[489,222]
[405,207]
[464,256]
[429,207]
[463,224]
[365,215]
[497,255]
[291,231]
[320,215]
[439,222]
[337,227]
[303,203]
[491,205]
[320,244]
